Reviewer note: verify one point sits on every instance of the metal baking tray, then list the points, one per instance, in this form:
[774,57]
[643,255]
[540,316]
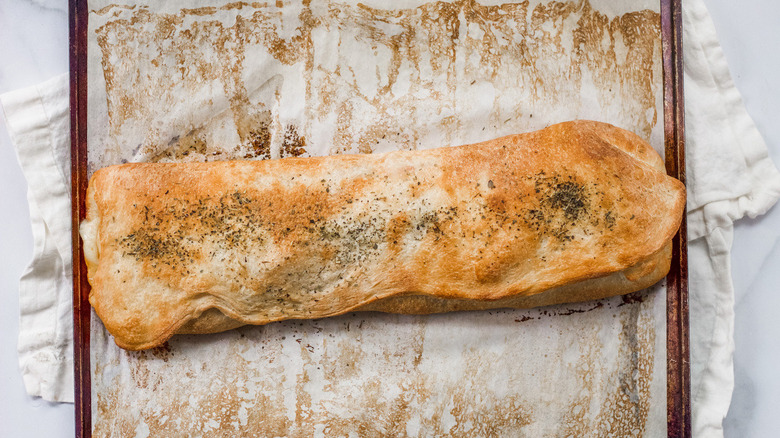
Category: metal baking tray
[677,348]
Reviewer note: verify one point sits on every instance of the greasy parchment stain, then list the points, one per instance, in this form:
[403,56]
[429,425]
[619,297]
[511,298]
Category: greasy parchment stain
[283,79]
[234,81]
[471,374]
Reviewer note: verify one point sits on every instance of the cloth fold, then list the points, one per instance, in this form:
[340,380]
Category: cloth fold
[38,121]
[730,175]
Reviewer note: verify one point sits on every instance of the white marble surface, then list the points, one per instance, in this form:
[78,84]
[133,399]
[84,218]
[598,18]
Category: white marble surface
[34,47]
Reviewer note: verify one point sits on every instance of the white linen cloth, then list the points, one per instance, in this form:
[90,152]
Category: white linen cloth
[730,175]
[38,121]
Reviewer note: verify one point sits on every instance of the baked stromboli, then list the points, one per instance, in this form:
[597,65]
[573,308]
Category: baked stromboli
[576,211]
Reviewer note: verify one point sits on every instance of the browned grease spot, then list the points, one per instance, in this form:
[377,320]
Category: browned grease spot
[106,9]
[181,147]
[259,139]
[625,410]
[140,373]
[544,51]
[293,145]
[199,11]
[163,352]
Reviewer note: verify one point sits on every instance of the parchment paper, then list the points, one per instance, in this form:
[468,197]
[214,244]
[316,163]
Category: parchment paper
[175,81]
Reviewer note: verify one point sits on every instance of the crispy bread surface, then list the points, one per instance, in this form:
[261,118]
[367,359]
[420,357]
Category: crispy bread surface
[576,211]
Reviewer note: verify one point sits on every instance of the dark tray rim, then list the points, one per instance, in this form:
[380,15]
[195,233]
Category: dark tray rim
[677,344]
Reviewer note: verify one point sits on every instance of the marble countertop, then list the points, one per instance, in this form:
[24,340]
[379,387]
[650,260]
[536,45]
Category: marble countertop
[34,47]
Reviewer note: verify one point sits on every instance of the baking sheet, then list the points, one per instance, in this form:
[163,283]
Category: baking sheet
[260,81]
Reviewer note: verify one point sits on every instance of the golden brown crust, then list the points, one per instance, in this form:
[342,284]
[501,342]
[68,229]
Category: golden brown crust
[577,211]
